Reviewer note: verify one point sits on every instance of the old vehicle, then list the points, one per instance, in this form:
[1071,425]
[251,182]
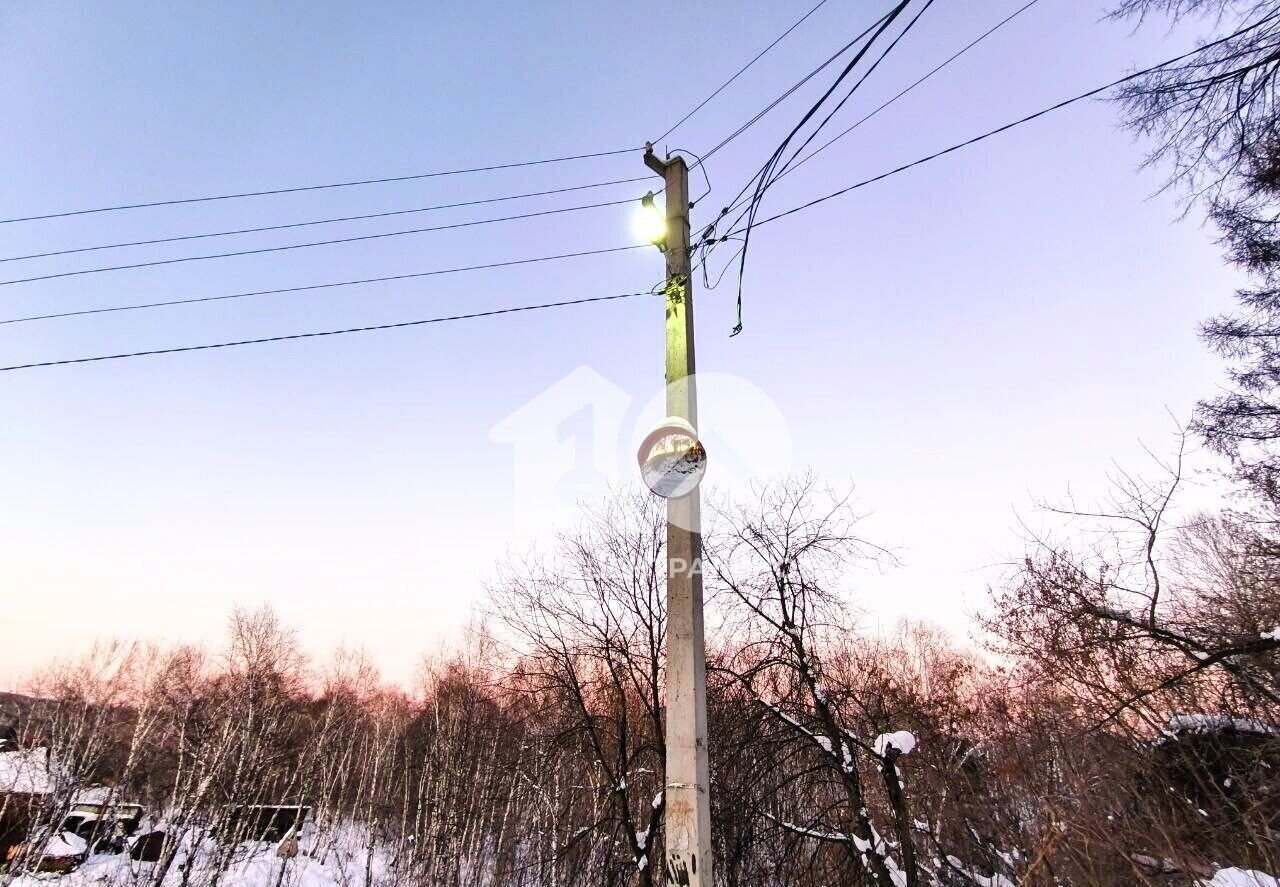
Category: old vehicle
[97,816]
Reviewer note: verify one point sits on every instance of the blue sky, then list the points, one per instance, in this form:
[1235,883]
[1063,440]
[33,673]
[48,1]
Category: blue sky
[953,341]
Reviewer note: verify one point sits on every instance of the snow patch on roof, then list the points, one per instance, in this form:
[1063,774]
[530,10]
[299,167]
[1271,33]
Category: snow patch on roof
[902,740]
[27,772]
[94,794]
[65,844]
[1202,723]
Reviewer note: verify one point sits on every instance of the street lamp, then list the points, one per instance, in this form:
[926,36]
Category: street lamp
[650,222]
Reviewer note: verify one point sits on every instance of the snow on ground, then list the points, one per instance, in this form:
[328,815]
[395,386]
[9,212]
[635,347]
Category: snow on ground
[257,865]
[261,870]
[1234,877]
[903,740]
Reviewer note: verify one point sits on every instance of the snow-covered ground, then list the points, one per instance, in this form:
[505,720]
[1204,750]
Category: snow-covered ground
[261,870]
[346,864]
[1234,877]
[337,864]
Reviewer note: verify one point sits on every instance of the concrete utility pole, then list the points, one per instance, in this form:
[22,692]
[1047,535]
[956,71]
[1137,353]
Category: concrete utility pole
[688,810]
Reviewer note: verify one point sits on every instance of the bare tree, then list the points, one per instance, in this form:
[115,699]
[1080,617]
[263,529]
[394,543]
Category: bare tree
[781,559]
[591,625]
[1210,113]
[1150,618]
[1215,121]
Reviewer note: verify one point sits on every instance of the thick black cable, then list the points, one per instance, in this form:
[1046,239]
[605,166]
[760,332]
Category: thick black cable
[733,204]
[316,243]
[853,89]
[321,286]
[709,239]
[330,221]
[1005,128]
[762,181]
[741,71]
[883,105]
[340,332]
[797,85]
[295,190]
[928,75]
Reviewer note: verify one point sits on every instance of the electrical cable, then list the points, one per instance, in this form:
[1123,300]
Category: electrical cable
[339,332]
[928,75]
[415,176]
[763,177]
[708,241]
[797,85]
[699,165]
[379,215]
[937,68]
[777,172]
[276,249]
[840,104]
[1026,119]
[320,286]
[1005,128]
[322,187]
[706,280]
[740,71]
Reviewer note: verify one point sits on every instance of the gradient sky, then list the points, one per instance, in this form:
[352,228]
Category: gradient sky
[954,341]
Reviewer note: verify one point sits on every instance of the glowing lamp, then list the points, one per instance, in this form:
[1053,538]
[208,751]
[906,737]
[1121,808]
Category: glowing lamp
[650,222]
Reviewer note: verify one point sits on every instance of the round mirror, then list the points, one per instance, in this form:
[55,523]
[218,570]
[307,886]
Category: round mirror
[672,459]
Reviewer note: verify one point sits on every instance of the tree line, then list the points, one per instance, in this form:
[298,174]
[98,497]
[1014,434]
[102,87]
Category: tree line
[1117,732]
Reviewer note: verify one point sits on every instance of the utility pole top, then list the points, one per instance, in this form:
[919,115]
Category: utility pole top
[656,163]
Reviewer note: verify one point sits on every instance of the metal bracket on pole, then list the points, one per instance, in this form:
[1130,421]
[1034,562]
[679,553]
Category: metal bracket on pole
[653,161]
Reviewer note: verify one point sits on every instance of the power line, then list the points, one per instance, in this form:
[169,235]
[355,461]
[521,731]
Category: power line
[853,89]
[349,184]
[763,178]
[316,243]
[797,85]
[766,178]
[1005,128]
[320,286]
[330,221]
[699,165]
[741,71]
[340,332]
[879,23]
[953,57]
[882,106]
